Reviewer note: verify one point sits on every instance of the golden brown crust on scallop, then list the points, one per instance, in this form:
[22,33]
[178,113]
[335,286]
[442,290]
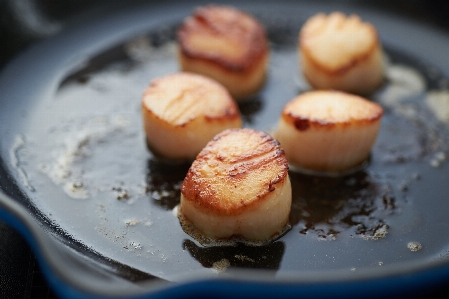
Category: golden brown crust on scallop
[189,99]
[305,111]
[238,37]
[313,34]
[341,52]
[183,111]
[235,171]
[328,131]
[226,44]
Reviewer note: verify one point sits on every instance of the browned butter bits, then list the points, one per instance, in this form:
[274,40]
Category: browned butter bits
[328,131]
[341,52]
[238,186]
[225,44]
[183,111]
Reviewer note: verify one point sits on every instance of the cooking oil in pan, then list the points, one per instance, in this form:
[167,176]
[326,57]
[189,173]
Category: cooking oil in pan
[111,169]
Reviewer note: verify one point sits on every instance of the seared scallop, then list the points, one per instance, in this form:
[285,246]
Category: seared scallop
[182,112]
[328,131]
[238,186]
[341,52]
[225,44]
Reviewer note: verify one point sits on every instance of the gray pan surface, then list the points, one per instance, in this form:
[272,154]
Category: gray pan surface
[73,153]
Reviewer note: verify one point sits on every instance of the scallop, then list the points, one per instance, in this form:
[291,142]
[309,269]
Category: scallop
[341,52]
[238,186]
[183,111]
[226,44]
[328,131]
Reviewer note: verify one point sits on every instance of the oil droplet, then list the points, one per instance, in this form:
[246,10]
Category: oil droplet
[244,258]
[403,186]
[438,159]
[379,233]
[19,144]
[404,82]
[76,190]
[438,102]
[121,194]
[221,266]
[414,246]
[136,245]
[132,222]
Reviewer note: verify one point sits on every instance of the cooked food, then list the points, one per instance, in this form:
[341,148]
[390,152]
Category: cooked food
[328,131]
[183,111]
[341,52]
[225,44]
[238,186]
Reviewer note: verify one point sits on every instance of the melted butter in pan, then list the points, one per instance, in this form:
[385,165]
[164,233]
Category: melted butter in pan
[98,153]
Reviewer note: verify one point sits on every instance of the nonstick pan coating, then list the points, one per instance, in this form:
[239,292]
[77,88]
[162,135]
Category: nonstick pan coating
[74,153]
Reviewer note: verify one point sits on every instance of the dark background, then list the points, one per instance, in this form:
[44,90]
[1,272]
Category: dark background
[24,22]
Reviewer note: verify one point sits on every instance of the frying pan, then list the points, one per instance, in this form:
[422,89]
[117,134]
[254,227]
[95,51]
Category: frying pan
[79,183]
